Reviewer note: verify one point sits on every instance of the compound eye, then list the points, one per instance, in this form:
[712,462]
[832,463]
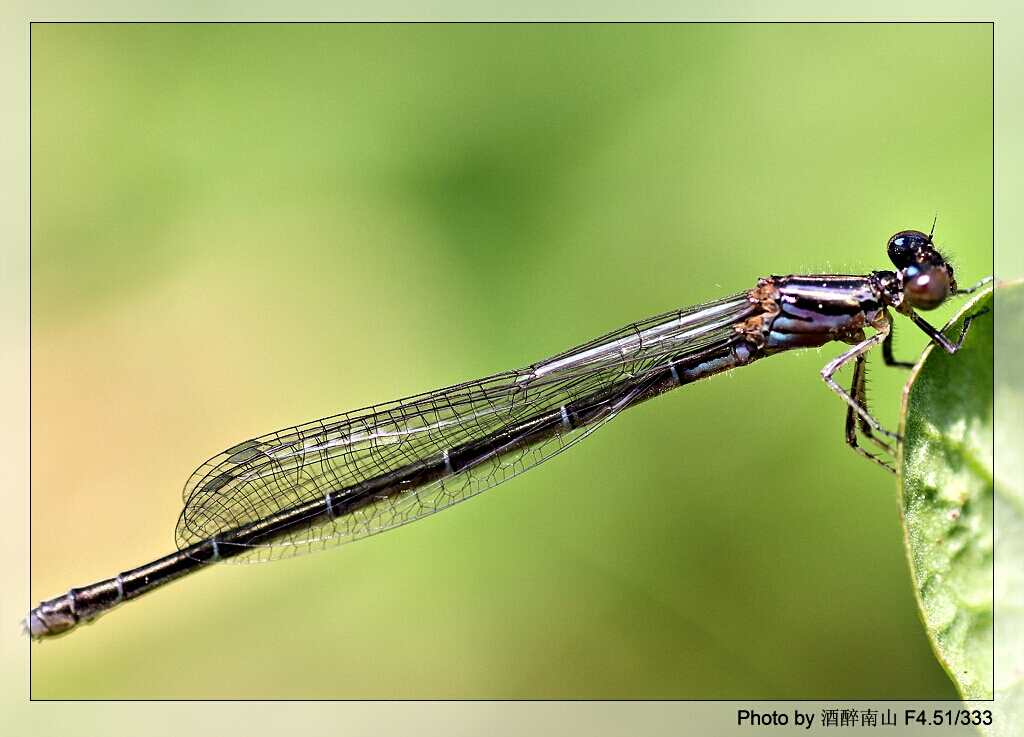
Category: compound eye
[904,245]
[927,288]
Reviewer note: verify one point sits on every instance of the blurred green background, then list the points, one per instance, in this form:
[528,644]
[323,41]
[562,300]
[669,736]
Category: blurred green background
[240,228]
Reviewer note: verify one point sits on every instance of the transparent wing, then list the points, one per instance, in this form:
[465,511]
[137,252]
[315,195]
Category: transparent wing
[298,465]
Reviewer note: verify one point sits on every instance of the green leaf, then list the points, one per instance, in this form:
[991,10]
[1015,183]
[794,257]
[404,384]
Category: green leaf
[946,497]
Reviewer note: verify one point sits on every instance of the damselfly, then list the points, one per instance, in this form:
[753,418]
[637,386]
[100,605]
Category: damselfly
[345,477]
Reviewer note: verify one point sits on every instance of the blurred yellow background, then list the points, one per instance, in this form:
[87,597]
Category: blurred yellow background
[241,228]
